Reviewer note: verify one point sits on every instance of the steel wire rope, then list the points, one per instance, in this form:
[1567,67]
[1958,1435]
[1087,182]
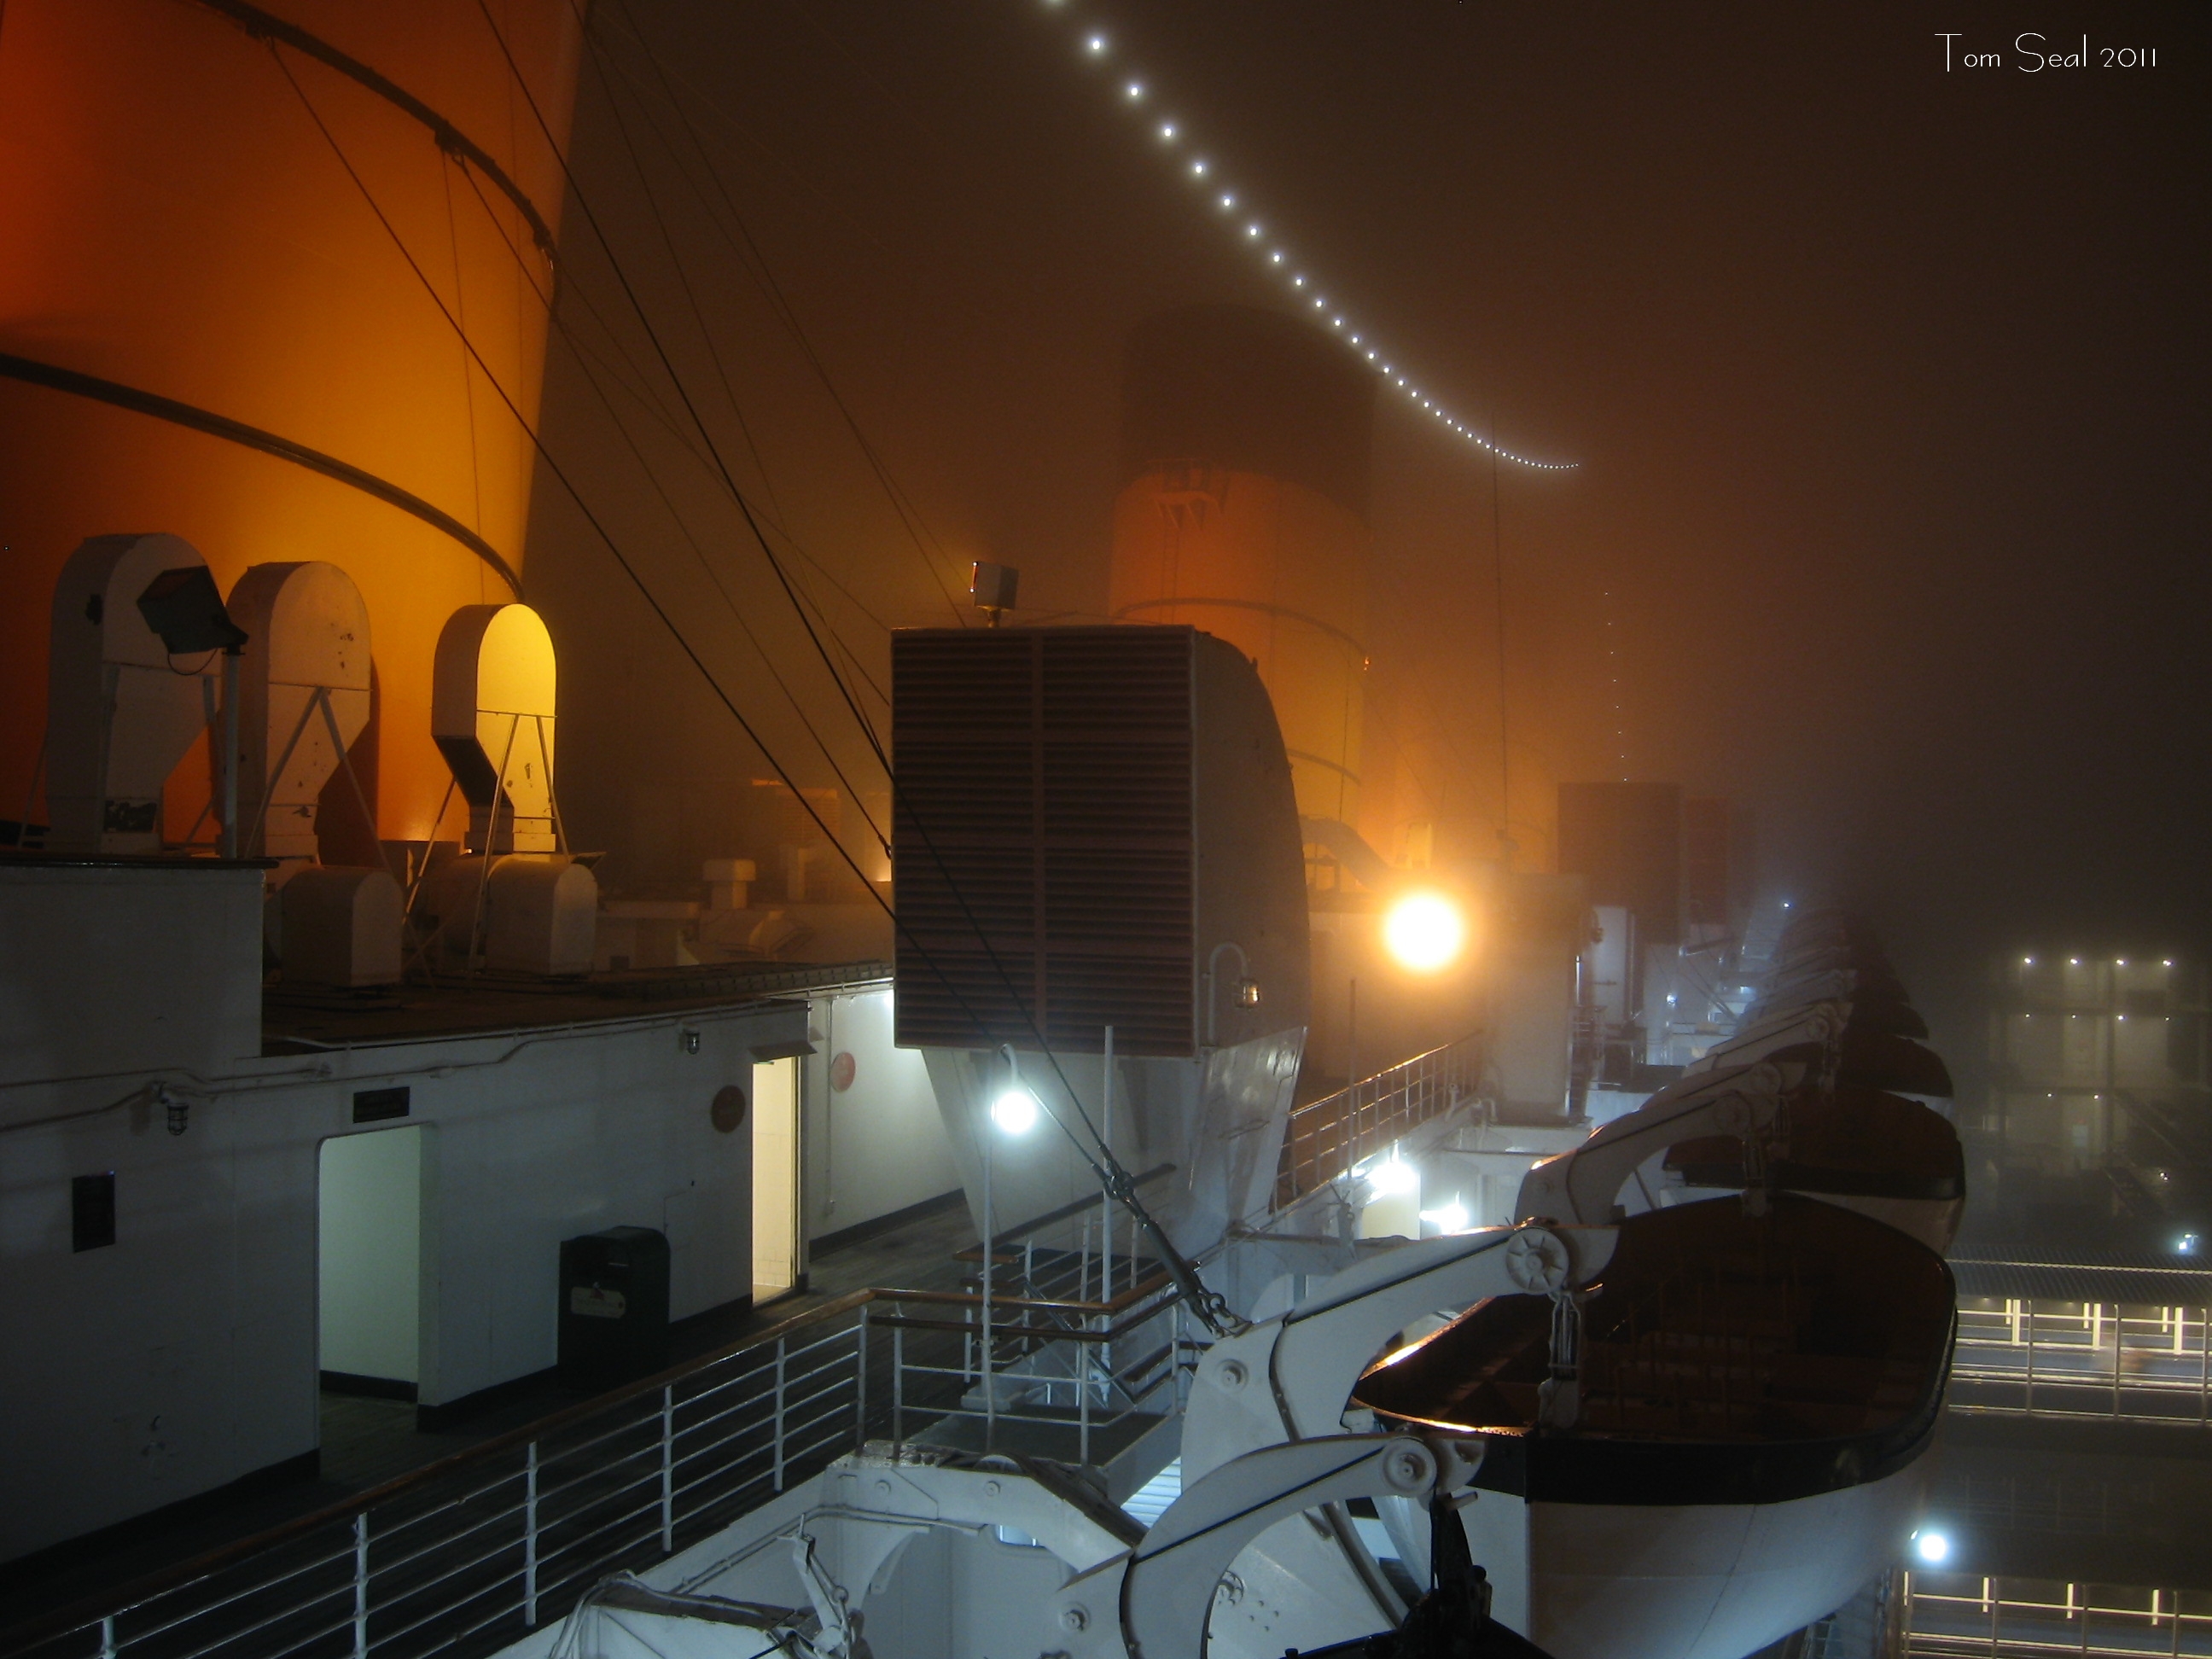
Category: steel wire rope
[593,55]
[629,292]
[676,515]
[676,381]
[1210,1308]
[729,392]
[928,841]
[642,392]
[756,265]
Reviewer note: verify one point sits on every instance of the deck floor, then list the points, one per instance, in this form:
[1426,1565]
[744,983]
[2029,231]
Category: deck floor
[367,1441]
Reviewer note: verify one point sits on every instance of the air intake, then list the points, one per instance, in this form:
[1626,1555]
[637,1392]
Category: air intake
[1095,826]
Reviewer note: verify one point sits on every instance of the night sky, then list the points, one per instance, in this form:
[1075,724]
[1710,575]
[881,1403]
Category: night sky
[1887,382]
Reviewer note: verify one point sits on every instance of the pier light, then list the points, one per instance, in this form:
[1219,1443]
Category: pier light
[1015,1112]
[1425,932]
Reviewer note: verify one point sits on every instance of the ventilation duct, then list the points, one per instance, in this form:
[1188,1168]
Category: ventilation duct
[303,698]
[492,713]
[121,710]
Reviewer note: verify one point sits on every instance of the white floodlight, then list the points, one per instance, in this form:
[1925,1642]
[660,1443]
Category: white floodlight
[1015,1112]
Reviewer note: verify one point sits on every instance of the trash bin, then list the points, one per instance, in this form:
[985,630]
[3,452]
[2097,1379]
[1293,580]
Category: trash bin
[614,1307]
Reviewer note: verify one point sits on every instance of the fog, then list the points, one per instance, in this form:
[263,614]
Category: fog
[1884,379]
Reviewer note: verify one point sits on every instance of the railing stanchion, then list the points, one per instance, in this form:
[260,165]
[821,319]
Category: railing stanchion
[361,1585]
[2028,1405]
[107,1638]
[668,1468]
[779,1413]
[530,1539]
[2119,1342]
[1082,1366]
[860,1384]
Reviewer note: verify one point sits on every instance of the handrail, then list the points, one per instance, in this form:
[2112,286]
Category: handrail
[1128,1298]
[1076,1207]
[91,1609]
[1442,1076]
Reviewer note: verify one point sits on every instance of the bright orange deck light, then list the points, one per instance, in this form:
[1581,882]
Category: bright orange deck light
[1425,932]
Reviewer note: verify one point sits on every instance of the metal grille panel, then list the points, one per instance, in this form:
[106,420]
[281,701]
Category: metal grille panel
[1043,838]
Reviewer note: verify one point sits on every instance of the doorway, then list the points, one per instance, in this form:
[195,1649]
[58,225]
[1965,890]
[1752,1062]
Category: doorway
[370,1226]
[776,1263]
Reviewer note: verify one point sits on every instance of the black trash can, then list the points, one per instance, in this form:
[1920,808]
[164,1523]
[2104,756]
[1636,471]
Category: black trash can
[614,1307]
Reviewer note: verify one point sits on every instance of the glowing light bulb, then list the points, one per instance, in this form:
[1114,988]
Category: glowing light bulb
[1425,932]
[1015,1112]
[1099,46]
[1931,1547]
[1393,1179]
[1450,1218]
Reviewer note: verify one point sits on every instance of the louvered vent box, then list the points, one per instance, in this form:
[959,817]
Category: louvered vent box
[1083,815]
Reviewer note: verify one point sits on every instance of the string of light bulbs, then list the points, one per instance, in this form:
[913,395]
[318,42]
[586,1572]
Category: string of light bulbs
[1232,206]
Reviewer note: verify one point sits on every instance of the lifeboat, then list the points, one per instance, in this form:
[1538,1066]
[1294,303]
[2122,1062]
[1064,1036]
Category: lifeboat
[1721,1439]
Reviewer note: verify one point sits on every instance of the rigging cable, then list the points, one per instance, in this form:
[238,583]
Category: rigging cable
[756,263]
[683,393]
[675,514]
[1207,1305]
